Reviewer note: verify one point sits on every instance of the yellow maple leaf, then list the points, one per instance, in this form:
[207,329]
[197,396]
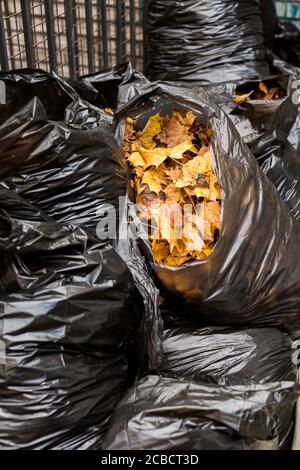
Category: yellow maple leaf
[263,88]
[176,260]
[201,164]
[198,192]
[190,118]
[173,194]
[202,192]
[155,178]
[198,255]
[157,156]
[174,173]
[139,171]
[161,250]
[178,151]
[186,119]
[153,157]
[174,133]
[241,98]
[151,129]
[136,159]
[179,249]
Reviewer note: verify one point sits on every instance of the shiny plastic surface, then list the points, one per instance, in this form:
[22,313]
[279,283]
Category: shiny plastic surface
[230,356]
[253,274]
[167,414]
[106,85]
[284,67]
[204,42]
[68,303]
[265,126]
[287,42]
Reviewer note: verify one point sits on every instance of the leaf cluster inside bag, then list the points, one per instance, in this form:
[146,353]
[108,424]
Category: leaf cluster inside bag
[261,92]
[177,192]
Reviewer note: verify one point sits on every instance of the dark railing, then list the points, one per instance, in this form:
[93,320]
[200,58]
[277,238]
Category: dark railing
[70,37]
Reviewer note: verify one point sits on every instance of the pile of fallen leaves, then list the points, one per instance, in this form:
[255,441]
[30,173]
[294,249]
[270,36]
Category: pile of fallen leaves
[262,92]
[171,168]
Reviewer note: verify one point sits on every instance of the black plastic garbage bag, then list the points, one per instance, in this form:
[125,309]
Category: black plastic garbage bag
[226,355]
[230,356]
[130,87]
[294,137]
[74,170]
[148,351]
[266,133]
[115,87]
[167,414]
[265,126]
[90,439]
[284,67]
[68,303]
[252,276]
[287,42]
[66,315]
[259,121]
[281,164]
[85,91]
[204,42]
[66,170]
[54,94]
[106,85]
[269,20]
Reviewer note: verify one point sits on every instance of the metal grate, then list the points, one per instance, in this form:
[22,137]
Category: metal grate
[70,37]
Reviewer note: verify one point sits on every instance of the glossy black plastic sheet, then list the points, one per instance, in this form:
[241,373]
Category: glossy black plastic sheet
[225,355]
[169,414]
[259,122]
[265,126]
[106,85]
[66,170]
[148,352]
[284,67]
[269,20]
[294,137]
[204,42]
[69,307]
[65,327]
[252,275]
[287,42]
[281,164]
[230,356]
[54,94]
